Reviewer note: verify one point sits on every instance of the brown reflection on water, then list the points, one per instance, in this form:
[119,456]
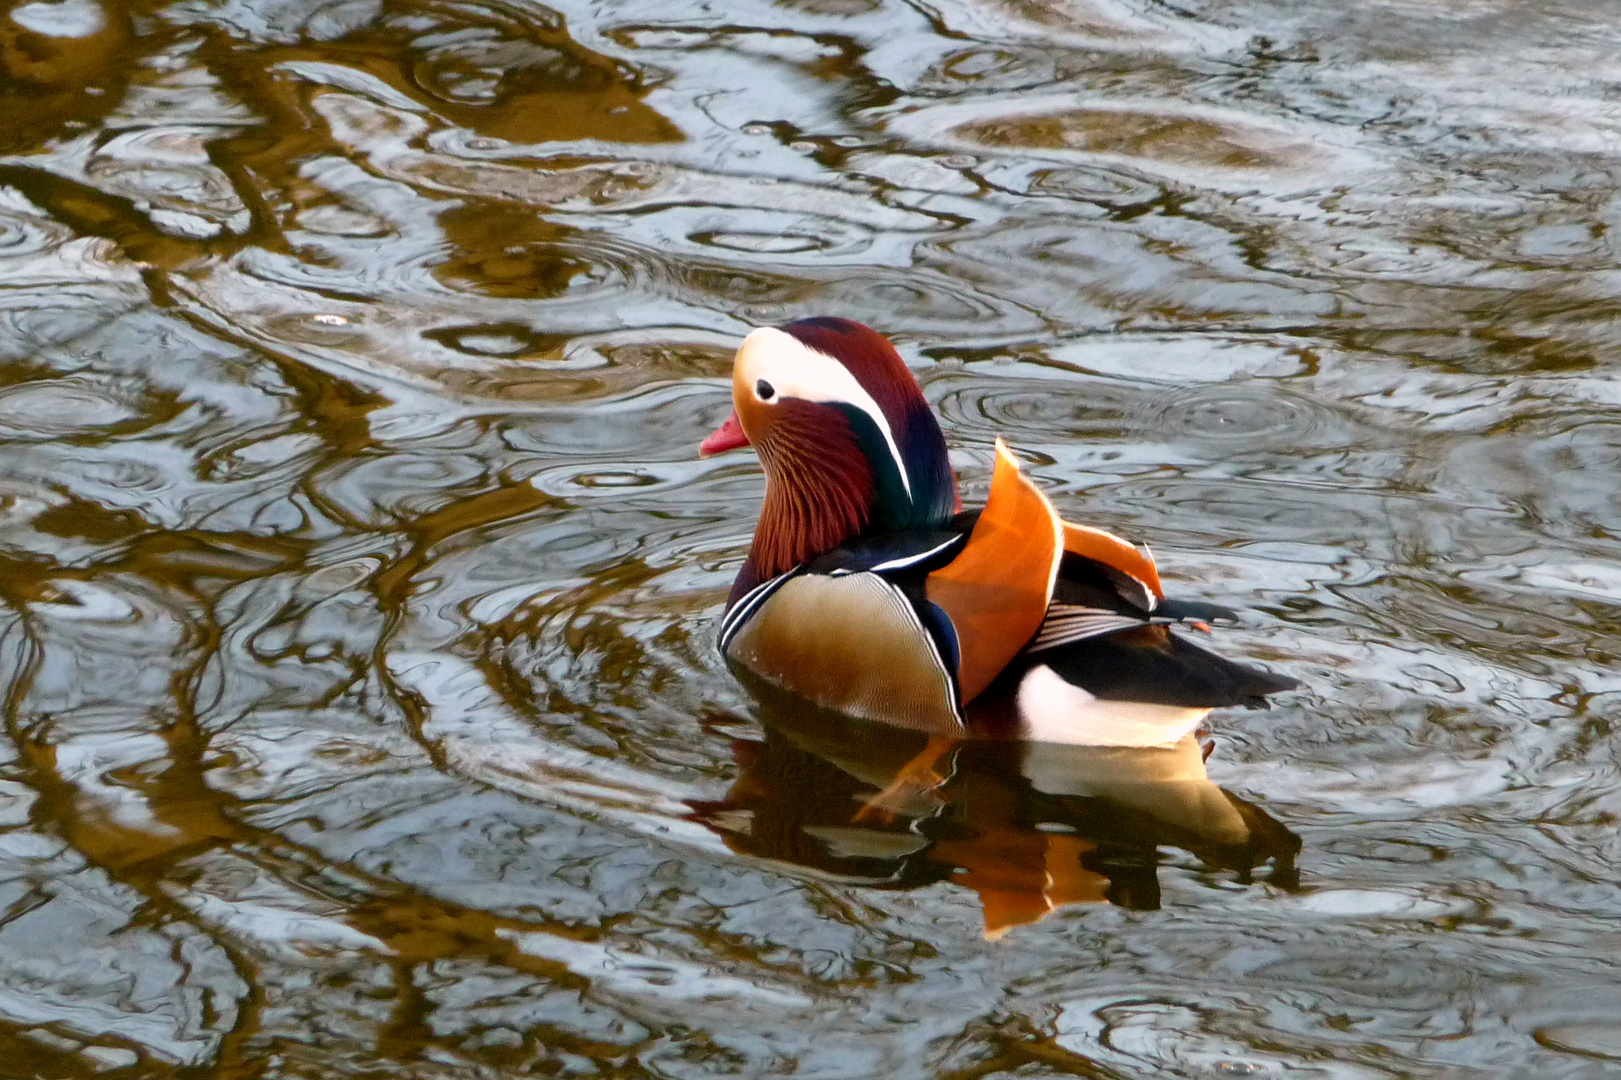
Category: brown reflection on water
[508,251]
[1030,828]
[1174,139]
[49,80]
[509,72]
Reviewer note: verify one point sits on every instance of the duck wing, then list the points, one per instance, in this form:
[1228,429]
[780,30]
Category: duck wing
[1093,598]
[1027,582]
[995,593]
[1152,666]
[1024,578]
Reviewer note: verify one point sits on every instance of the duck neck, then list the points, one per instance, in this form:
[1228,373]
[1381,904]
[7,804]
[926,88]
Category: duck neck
[820,489]
[830,478]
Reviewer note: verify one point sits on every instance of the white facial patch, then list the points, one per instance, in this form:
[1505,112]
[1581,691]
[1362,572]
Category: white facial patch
[793,369]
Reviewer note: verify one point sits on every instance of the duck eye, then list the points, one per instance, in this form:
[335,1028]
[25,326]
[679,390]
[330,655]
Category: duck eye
[765,390]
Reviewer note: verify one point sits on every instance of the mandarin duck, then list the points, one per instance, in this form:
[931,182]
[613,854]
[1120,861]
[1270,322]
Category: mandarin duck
[868,590]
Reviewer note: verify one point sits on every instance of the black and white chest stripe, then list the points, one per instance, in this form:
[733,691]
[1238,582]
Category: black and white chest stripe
[749,604]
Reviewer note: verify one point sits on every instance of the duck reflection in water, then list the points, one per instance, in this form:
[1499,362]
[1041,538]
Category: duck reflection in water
[1030,827]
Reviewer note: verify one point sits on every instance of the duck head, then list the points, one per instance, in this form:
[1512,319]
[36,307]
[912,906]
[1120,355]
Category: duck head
[846,437]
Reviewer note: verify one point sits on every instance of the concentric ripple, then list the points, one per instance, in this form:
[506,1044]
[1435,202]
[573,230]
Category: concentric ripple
[66,407]
[1251,415]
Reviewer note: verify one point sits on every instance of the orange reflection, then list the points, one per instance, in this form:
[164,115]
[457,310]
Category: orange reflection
[1022,875]
[1030,828]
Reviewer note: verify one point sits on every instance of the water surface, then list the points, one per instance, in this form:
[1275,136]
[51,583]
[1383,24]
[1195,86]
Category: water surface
[360,578]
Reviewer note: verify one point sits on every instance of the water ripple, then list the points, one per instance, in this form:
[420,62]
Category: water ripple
[67,407]
[1246,416]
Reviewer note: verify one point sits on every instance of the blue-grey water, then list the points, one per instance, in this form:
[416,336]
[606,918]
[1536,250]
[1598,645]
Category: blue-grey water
[360,578]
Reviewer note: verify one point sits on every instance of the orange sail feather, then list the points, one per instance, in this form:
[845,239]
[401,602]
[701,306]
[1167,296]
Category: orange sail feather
[1110,550]
[997,591]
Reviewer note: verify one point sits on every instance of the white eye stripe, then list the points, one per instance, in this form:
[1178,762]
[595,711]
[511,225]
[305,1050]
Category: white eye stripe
[793,369]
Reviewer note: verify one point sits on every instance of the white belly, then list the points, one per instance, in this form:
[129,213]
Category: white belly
[1052,710]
